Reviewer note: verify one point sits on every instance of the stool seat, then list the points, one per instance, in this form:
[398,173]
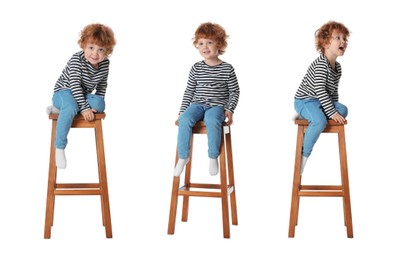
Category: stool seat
[299,190]
[100,188]
[330,122]
[223,190]
[80,117]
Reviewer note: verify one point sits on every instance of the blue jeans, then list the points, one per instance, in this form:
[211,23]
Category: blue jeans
[213,118]
[68,107]
[311,110]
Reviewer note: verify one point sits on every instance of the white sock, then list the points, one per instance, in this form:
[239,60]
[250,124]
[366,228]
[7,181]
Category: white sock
[52,110]
[179,167]
[303,162]
[61,161]
[296,116]
[213,166]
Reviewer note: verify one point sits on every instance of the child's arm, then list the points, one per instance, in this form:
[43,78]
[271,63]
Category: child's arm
[234,92]
[75,84]
[319,86]
[89,114]
[229,117]
[189,91]
[102,86]
[338,118]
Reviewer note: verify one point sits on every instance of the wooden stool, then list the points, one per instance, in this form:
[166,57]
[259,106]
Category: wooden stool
[100,188]
[342,190]
[203,190]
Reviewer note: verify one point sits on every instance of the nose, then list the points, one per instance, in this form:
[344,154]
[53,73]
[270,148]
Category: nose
[95,53]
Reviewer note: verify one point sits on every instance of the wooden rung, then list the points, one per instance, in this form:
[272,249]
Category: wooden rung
[185,190]
[199,193]
[77,192]
[204,185]
[77,185]
[321,193]
[321,187]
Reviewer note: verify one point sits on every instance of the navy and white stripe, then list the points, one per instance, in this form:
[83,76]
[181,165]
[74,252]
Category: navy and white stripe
[212,86]
[82,78]
[321,82]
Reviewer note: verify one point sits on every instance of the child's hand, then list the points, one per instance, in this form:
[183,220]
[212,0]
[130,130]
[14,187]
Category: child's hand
[89,115]
[338,118]
[229,117]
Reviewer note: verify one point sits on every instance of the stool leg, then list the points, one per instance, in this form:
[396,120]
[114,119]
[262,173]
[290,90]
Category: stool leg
[224,194]
[51,184]
[231,181]
[296,182]
[187,183]
[345,182]
[104,193]
[174,200]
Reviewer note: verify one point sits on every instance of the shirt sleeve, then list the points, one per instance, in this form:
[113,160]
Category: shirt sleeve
[234,91]
[189,91]
[320,81]
[75,85]
[102,86]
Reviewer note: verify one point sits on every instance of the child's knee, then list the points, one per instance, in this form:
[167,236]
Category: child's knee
[97,103]
[344,111]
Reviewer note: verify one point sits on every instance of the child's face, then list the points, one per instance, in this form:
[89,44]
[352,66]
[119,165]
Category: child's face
[94,54]
[207,48]
[337,45]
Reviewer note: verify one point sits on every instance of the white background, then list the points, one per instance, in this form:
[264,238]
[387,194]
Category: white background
[271,45]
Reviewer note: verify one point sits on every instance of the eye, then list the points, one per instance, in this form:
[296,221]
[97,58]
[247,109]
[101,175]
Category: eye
[102,50]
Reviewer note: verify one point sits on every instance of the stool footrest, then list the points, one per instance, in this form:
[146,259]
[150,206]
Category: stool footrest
[186,190]
[77,185]
[321,191]
[77,189]
[321,187]
[203,185]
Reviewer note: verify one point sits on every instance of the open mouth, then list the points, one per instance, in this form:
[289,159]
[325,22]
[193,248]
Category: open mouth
[342,48]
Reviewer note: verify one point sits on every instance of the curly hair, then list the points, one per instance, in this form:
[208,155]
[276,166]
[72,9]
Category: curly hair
[213,32]
[98,34]
[324,33]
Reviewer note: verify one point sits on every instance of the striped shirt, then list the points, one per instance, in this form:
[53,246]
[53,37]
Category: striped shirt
[82,78]
[321,82]
[211,86]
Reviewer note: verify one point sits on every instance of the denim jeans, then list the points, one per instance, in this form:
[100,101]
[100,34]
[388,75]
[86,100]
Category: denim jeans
[65,102]
[213,118]
[311,110]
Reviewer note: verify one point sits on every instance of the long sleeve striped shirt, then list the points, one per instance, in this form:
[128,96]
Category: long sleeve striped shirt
[212,86]
[82,78]
[321,82]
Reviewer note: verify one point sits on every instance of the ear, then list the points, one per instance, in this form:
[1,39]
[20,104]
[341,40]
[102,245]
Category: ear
[327,45]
